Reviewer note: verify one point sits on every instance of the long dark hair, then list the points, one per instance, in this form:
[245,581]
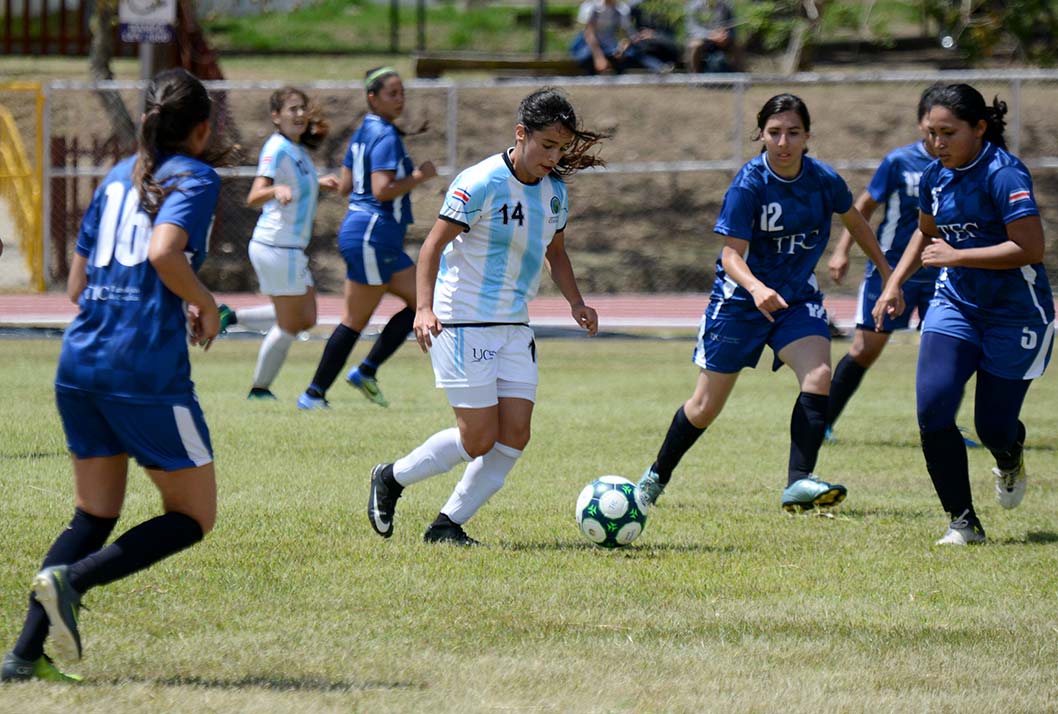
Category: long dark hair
[176,102]
[967,104]
[777,105]
[316,126]
[548,106]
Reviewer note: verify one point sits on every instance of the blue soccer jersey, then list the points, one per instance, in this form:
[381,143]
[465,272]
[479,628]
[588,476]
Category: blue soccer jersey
[129,339]
[972,206]
[490,272]
[376,146]
[287,164]
[787,224]
[895,188]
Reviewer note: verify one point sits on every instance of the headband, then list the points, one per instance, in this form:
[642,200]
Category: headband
[380,72]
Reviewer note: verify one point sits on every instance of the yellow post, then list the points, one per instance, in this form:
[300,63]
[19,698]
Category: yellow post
[25,190]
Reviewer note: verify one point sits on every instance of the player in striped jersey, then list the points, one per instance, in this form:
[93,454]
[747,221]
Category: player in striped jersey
[123,385]
[378,176]
[502,221]
[775,221]
[287,188]
[992,314]
[894,186]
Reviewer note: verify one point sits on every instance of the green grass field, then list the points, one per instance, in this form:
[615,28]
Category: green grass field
[725,603]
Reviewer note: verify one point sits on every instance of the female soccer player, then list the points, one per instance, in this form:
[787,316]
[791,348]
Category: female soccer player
[993,312]
[381,176]
[502,220]
[775,221]
[123,385]
[894,185]
[287,186]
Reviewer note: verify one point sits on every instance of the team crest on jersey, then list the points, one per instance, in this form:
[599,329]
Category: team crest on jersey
[1020,195]
[556,205]
[461,194]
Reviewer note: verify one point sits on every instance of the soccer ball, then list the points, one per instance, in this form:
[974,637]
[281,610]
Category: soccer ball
[611,512]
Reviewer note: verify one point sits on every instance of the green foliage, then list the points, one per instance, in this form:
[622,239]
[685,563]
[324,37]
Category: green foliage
[1028,28]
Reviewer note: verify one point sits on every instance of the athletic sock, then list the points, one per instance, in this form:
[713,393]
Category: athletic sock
[367,369]
[259,319]
[946,461]
[808,424]
[136,549]
[83,535]
[847,377]
[392,337]
[484,477]
[678,441]
[339,345]
[1009,459]
[437,455]
[271,356]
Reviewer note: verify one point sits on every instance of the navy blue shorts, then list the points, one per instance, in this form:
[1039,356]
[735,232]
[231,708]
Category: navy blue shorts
[373,248]
[728,342]
[1008,351]
[916,298]
[166,437]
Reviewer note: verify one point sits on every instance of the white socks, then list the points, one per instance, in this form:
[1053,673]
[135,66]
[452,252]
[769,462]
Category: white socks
[483,477]
[437,455]
[272,355]
[259,319]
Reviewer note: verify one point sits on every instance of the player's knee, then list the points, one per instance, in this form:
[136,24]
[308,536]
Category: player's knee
[479,444]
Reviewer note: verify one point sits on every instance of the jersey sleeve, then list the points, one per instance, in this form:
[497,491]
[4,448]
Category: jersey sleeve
[387,152]
[266,164]
[737,213]
[1011,191]
[881,184]
[86,237]
[840,194]
[563,213]
[925,189]
[464,201]
[191,207]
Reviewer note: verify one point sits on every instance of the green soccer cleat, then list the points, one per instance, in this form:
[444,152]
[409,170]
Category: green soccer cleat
[812,492]
[368,386]
[61,602]
[227,318]
[261,393]
[651,487]
[16,669]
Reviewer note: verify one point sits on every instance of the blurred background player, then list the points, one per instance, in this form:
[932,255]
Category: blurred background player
[775,221]
[287,187]
[123,384]
[502,221]
[993,312]
[380,176]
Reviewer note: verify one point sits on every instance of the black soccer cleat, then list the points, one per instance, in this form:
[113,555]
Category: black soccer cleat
[382,501]
[445,530]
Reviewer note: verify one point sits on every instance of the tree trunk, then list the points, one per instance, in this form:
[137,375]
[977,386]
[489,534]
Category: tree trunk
[100,53]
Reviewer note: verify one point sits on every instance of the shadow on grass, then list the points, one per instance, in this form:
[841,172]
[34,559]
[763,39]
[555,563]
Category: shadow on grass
[643,550]
[1030,538]
[278,684]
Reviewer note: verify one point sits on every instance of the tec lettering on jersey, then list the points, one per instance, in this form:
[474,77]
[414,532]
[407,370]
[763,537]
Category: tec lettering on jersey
[790,244]
[1022,194]
[957,232]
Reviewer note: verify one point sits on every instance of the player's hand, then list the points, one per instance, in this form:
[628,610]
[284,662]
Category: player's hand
[767,301]
[426,325]
[330,182]
[283,194]
[427,170]
[890,304]
[586,317]
[838,266]
[202,325]
[938,254]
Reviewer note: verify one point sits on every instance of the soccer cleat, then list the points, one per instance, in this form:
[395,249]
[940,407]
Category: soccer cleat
[368,386]
[227,318]
[650,486]
[16,669]
[61,602]
[452,533]
[261,393]
[1010,485]
[307,401]
[970,443]
[828,436]
[964,530]
[382,501]
[812,492]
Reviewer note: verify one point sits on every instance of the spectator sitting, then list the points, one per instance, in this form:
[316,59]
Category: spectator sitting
[608,42]
[710,36]
[655,34]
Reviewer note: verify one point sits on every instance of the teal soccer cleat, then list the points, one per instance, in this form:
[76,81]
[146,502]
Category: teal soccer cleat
[812,492]
[651,487]
[61,602]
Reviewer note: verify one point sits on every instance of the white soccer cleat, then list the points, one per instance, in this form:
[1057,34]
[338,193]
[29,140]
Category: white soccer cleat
[964,530]
[1010,485]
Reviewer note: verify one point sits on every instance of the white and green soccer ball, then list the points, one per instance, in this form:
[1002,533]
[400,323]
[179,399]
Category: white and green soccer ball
[611,512]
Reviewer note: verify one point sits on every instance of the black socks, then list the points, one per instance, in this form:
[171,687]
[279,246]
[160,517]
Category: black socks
[807,427]
[681,437]
[946,462]
[339,346]
[847,377]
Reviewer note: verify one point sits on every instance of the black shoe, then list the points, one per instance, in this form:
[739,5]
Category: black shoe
[382,502]
[261,393]
[444,530]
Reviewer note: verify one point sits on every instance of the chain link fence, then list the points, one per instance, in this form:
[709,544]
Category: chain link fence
[644,224]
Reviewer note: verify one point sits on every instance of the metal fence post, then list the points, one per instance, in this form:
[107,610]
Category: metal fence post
[45,159]
[1015,110]
[453,128]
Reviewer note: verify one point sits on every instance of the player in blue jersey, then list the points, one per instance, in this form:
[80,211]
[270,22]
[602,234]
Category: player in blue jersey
[775,222]
[894,186]
[992,314]
[502,221]
[123,385]
[378,175]
[287,188]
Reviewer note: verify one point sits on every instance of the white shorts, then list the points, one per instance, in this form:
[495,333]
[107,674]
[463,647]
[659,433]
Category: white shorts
[280,271]
[478,365]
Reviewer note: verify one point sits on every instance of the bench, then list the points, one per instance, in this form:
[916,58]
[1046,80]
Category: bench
[433,65]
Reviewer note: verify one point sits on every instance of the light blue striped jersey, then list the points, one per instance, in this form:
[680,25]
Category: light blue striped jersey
[895,188]
[376,146]
[972,206]
[491,271]
[288,164]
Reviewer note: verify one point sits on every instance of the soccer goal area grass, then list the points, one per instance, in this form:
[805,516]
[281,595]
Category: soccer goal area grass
[724,604]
